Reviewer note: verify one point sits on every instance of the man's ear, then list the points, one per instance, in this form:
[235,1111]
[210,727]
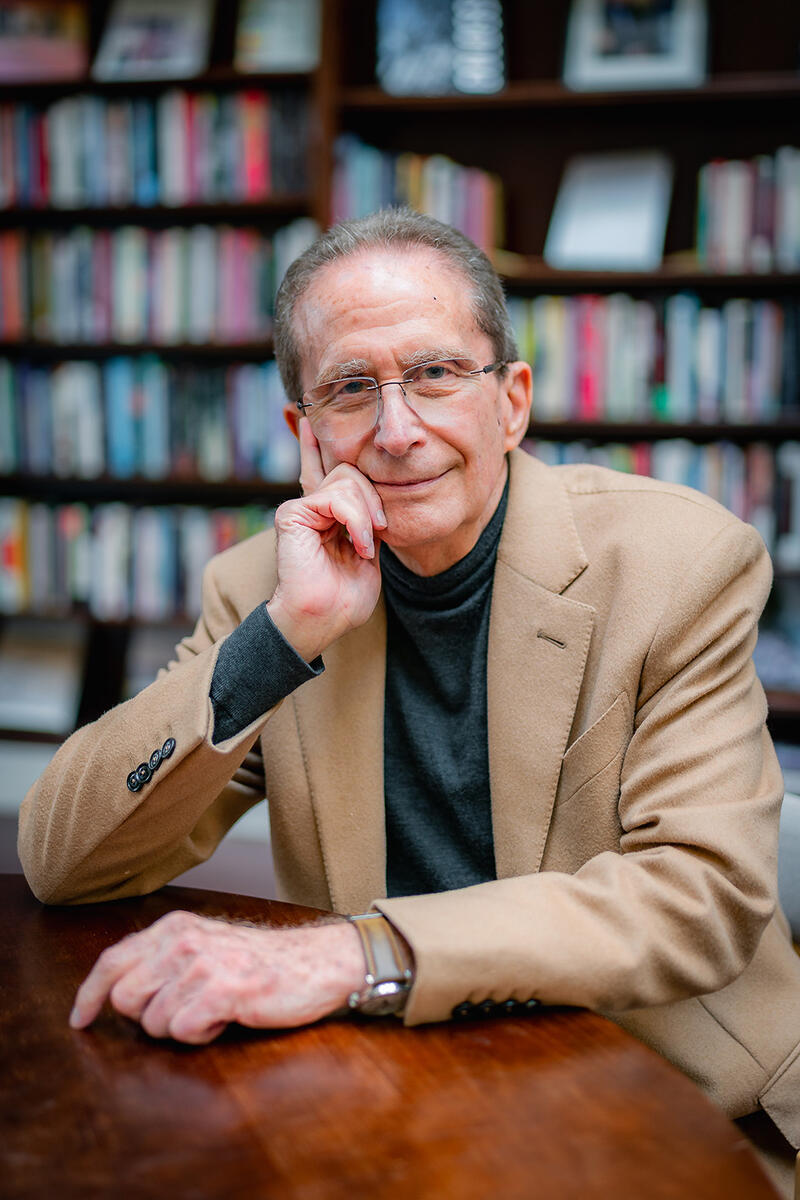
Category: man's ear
[292,418]
[517,385]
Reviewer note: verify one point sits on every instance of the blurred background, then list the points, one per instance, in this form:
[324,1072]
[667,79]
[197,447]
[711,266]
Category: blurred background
[632,168]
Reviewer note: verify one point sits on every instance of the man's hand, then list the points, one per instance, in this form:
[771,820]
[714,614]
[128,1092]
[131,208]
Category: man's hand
[328,573]
[187,976]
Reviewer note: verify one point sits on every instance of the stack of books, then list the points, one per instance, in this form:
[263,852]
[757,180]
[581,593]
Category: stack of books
[617,358]
[132,284]
[116,561]
[366,179]
[748,213]
[139,417]
[179,148]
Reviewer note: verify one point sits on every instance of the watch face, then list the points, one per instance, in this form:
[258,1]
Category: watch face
[383,999]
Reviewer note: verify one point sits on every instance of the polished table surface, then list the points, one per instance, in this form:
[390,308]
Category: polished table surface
[558,1104]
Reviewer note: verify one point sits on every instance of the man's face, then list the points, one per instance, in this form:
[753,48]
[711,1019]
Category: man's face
[439,480]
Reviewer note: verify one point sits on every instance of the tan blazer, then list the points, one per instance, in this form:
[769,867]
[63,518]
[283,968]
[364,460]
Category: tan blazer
[635,794]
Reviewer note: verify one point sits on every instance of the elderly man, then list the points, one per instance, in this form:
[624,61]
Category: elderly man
[535,752]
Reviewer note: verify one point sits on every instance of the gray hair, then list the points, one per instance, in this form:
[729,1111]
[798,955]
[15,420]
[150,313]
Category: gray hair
[391,227]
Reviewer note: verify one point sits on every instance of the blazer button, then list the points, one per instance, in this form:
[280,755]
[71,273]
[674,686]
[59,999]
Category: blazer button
[510,1006]
[134,782]
[487,1008]
[531,1004]
[155,760]
[144,773]
[168,748]
[462,1010]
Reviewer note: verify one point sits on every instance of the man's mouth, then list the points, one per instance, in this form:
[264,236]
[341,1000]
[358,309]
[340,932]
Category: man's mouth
[418,482]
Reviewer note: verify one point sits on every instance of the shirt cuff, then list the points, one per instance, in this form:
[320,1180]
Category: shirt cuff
[256,667]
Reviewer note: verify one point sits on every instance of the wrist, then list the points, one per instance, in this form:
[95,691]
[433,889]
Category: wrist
[389,967]
[302,634]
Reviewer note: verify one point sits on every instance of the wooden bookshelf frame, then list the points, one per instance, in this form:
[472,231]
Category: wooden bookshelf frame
[750,103]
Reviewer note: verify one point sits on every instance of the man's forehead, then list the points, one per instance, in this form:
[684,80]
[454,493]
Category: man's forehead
[411,292]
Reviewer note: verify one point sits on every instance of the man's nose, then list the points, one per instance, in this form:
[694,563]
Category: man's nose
[399,427]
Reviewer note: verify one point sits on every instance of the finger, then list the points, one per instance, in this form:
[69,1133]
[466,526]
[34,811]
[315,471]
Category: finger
[368,489]
[347,507]
[131,994]
[196,1023]
[110,967]
[312,471]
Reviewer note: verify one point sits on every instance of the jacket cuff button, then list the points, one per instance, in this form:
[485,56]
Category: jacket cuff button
[133,781]
[462,1010]
[155,760]
[143,773]
[168,748]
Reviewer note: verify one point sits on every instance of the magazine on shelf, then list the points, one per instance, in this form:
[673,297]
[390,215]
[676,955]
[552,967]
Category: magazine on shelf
[611,212]
[277,35]
[42,40]
[154,39]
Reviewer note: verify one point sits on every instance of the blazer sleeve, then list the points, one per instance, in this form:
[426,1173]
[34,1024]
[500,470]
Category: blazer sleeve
[679,909]
[84,835]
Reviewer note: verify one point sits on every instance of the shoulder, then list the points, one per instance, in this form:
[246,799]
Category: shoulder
[654,517]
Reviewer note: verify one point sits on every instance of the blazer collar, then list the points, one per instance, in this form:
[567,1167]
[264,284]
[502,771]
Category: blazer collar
[538,643]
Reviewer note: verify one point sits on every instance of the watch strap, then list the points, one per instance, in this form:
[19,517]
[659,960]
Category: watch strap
[389,969]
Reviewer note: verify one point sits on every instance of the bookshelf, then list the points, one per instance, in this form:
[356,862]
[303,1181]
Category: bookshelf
[524,135]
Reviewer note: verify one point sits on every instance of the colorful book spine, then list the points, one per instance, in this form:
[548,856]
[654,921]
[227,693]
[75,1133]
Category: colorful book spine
[748,213]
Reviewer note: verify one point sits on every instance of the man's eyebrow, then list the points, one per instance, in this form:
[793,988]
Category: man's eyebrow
[432,354]
[343,370]
[360,366]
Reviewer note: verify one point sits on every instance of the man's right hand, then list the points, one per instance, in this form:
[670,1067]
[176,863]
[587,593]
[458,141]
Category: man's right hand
[329,576]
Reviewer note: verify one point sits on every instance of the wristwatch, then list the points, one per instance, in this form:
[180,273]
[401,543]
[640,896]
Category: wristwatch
[389,973]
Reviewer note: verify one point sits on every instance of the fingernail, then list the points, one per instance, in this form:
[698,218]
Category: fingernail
[75,1017]
[381,517]
[369,548]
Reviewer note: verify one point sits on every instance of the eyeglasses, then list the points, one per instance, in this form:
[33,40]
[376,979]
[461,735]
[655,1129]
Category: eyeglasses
[348,408]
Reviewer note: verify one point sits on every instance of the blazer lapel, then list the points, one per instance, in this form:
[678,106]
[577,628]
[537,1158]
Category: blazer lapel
[538,645]
[340,720]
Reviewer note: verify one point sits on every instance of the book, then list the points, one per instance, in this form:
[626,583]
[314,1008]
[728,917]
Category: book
[277,35]
[611,213]
[154,39]
[42,40]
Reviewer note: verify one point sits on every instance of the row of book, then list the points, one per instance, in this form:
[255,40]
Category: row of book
[366,179]
[151,39]
[179,148]
[195,284]
[116,561]
[140,417]
[623,359]
[761,485]
[748,213]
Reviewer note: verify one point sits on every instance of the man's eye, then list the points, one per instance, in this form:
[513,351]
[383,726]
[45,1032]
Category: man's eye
[439,372]
[348,388]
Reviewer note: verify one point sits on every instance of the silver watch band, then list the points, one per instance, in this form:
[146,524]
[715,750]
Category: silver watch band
[389,973]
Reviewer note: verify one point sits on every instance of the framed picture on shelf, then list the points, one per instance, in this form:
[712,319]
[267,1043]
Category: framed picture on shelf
[617,44]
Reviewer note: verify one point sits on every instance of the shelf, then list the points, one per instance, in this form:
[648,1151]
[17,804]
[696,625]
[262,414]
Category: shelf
[235,212]
[526,273]
[139,490]
[548,93]
[773,432]
[56,351]
[221,77]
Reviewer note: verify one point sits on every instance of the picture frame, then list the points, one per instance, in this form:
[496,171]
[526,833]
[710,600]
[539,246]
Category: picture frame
[614,45]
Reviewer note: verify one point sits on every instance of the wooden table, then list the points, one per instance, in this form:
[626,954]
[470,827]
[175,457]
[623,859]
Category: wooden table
[559,1104]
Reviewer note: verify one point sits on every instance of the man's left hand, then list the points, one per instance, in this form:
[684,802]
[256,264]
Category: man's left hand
[187,976]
